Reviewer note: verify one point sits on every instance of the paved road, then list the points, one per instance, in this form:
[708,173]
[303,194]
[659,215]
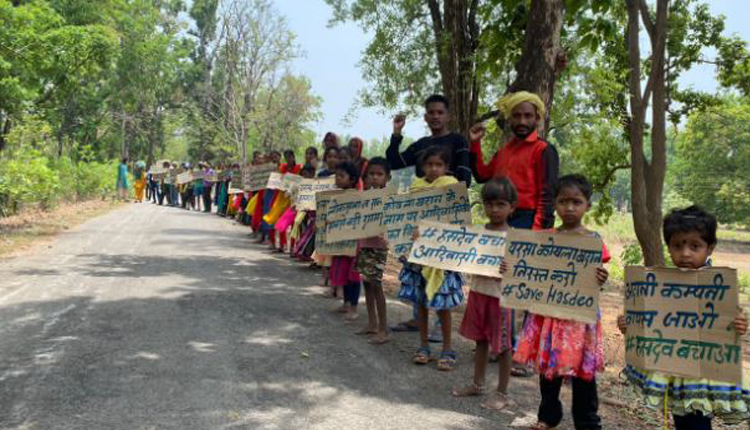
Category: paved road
[159,318]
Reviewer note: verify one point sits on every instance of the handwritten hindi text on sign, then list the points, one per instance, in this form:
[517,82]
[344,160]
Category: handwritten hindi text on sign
[275,181]
[355,214]
[468,249]
[322,245]
[553,274]
[256,177]
[402,212]
[679,322]
[307,190]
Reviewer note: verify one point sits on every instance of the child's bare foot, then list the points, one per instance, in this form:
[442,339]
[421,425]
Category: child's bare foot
[366,330]
[469,391]
[340,310]
[351,316]
[498,401]
[379,339]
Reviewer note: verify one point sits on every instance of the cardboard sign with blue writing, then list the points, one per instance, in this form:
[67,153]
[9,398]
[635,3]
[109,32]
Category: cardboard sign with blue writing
[679,322]
[552,274]
[467,249]
[402,212]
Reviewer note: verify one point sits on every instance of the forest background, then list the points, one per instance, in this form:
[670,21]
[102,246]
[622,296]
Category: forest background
[85,83]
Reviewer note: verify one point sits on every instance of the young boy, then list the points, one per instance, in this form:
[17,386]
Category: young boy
[371,259]
[485,321]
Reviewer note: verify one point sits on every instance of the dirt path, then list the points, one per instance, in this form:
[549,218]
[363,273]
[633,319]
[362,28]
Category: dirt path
[158,318]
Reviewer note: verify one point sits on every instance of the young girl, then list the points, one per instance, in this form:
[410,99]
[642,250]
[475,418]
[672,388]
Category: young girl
[690,235]
[485,322]
[343,273]
[282,206]
[311,157]
[331,159]
[371,259]
[443,292]
[560,349]
[299,227]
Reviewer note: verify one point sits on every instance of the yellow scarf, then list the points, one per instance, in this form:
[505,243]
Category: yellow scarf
[433,277]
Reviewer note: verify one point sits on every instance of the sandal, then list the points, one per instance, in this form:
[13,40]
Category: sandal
[422,356]
[520,371]
[404,326]
[447,361]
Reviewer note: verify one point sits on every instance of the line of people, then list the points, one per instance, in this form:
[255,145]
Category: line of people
[521,189]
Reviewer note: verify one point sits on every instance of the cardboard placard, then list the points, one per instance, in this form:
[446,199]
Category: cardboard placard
[291,182]
[467,249]
[275,181]
[211,177]
[402,212]
[256,177]
[307,190]
[322,246]
[355,214]
[680,322]
[553,274]
[184,178]
[197,174]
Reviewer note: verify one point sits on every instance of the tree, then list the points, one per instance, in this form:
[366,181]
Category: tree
[712,159]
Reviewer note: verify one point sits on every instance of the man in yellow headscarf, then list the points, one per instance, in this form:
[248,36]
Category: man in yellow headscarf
[528,161]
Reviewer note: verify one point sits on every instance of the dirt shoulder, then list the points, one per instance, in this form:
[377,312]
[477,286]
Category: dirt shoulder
[22,232]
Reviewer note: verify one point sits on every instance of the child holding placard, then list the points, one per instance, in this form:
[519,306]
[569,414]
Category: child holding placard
[331,160]
[372,256]
[690,235]
[343,273]
[429,287]
[559,349]
[485,321]
[298,226]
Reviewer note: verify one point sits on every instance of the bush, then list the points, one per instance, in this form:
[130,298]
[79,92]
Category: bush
[27,177]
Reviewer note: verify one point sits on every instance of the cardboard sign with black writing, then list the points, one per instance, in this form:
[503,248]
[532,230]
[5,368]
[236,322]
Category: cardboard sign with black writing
[307,190]
[553,274]
[402,212]
[355,214]
[467,249]
[679,322]
[275,181]
[256,177]
[322,245]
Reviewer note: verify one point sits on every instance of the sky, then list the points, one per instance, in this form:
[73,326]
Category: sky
[332,55]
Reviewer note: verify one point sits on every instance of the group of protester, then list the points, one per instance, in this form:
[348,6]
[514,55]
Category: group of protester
[521,189]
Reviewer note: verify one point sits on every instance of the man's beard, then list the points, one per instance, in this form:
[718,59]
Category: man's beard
[522,131]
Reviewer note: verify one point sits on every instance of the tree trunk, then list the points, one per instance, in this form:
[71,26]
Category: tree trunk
[4,130]
[537,69]
[456,41]
[647,178]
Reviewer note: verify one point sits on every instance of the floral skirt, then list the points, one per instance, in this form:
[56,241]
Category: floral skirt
[449,295]
[561,348]
[684,396]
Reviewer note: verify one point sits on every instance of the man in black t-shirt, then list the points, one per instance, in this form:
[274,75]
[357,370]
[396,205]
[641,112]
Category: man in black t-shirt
[437,116]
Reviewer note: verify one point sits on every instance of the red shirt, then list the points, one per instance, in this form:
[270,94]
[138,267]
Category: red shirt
[532,165]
